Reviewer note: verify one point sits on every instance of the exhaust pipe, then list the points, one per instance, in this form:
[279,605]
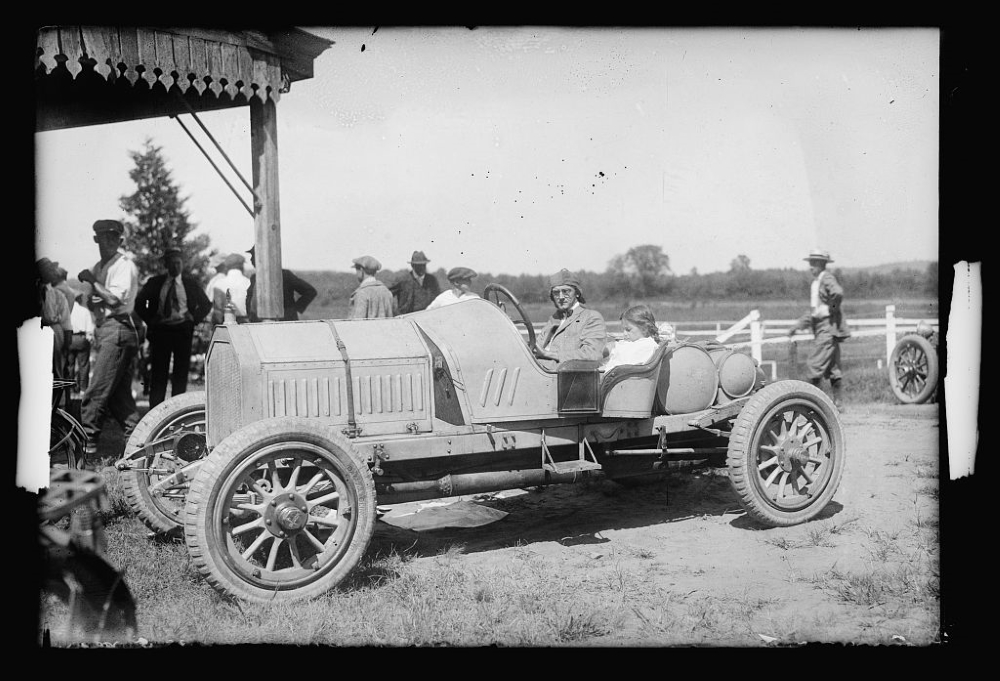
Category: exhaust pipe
[475,483]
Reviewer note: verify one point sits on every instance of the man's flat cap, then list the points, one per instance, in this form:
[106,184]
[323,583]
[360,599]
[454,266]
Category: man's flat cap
[461,273]
[233,261]
[368,262]
[109,226]
[566,278]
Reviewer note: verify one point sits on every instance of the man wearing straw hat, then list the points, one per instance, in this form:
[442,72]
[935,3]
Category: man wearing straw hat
[826,321]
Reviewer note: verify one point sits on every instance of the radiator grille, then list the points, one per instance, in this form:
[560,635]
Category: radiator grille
[391,395]
[224,396]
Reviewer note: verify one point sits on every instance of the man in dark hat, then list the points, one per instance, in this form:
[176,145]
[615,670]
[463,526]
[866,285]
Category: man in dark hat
[171,304]
[62,284]
[416,289]
[573,331]
[115,283]
[371,299]
[826,321]
[460,279]
[297,293]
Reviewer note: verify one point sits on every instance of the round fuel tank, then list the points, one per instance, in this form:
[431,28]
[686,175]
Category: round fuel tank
[689,381]
[737,373]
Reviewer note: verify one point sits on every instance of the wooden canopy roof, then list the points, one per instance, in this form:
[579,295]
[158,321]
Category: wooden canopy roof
[89,75]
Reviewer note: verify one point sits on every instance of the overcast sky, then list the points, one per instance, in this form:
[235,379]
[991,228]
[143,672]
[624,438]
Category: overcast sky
[525,150]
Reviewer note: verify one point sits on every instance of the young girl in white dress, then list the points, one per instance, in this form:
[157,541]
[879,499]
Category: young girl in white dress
[642,337]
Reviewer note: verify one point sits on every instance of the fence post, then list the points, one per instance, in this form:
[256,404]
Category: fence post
[756,335]
[890,332]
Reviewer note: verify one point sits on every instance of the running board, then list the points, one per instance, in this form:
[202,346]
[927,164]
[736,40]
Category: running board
[580,464]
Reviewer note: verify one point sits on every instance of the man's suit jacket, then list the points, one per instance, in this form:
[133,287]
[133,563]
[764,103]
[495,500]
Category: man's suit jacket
[411,296]
[291,285]
[583,336]
[147,303]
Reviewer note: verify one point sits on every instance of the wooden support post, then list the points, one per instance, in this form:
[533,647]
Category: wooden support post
[267,220]
[756,335]
[890,332]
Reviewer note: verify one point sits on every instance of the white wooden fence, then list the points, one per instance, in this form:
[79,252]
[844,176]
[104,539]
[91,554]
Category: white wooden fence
[754,332]
[758,329]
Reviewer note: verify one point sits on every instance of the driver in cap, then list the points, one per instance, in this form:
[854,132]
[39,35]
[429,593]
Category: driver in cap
[573,331]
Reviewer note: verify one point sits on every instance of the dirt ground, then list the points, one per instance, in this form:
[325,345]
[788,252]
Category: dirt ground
[865,570]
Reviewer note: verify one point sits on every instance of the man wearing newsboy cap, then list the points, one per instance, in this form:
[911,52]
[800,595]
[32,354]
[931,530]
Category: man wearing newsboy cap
[826,321]
[573,331]
[371,299]
[115,283]
[171,304]
[460,279]
[417,288]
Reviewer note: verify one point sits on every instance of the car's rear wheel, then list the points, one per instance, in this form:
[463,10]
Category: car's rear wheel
[281,510]
[913,369]
[786,453]
[179,424]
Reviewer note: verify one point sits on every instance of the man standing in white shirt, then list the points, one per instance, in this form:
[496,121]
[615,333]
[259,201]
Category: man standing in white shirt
[115,282]
[460,279]
[236,283]
[82,320]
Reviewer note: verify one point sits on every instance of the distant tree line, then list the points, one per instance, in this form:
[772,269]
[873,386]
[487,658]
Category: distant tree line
[644,272]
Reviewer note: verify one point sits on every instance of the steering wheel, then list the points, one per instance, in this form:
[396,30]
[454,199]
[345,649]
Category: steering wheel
[494,293]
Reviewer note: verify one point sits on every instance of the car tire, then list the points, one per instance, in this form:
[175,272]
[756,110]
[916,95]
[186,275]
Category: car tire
[181,413]
[281,510]
[786,453]
[913,369]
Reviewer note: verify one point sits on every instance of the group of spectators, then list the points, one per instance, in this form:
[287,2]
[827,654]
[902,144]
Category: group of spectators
[416,290]
[102,324]
[574,332]
[108,316]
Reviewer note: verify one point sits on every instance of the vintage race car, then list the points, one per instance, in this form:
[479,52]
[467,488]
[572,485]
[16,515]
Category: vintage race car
[310,424]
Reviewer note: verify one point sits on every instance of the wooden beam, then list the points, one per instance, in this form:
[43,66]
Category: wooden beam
[267,221]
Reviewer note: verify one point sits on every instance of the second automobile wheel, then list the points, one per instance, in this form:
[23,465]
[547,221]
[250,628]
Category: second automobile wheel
[913,369]
[282,509]
[178,426]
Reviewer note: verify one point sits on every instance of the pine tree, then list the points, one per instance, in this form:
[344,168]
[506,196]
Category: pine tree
[156,218]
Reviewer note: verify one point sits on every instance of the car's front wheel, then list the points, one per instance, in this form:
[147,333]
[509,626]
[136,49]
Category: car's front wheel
[281,510]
